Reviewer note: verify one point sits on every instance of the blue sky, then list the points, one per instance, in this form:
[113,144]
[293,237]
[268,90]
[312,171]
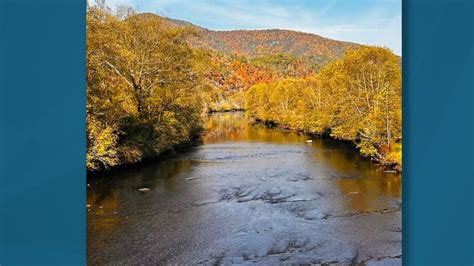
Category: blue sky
[375,22]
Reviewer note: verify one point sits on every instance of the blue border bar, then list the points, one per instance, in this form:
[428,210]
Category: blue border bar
[438,70]
[42,132]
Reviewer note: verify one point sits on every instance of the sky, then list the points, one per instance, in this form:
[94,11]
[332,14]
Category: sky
[373,22]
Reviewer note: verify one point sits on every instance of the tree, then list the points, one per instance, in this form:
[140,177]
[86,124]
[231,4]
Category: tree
[144,92]
[357,98]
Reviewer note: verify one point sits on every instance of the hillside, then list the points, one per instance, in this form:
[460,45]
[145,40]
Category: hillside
[239,59]
[258,43]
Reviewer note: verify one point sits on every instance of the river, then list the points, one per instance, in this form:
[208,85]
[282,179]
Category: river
[247,195]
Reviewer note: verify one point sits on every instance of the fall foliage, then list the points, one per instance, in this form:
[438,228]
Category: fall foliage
[357,98]
[151,80]
[143,88]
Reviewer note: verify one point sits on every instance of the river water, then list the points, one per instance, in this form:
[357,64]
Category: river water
[247,195]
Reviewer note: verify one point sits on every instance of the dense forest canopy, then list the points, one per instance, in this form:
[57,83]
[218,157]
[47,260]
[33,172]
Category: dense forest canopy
[151,80]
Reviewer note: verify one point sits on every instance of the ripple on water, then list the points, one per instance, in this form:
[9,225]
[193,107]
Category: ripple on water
[248,195]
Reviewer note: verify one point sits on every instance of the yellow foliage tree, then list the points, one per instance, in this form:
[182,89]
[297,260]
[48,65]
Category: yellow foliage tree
[357,98]
[144,88]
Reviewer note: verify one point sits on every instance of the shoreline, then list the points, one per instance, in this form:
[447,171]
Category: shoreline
[197,140]
[384,165]
[97,174]
[225,111]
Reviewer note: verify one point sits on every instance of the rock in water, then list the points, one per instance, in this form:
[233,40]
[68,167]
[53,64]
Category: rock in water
[390,171]
[144,189]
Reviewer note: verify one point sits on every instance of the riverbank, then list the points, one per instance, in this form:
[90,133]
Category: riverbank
[379,159]
[344,100]
[212,111]
[196,140]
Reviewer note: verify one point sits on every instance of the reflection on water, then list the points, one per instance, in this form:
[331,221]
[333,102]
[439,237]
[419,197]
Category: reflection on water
[352,173]
[243,178]
[237,127]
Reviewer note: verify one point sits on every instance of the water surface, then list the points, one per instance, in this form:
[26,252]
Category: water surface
[248,195]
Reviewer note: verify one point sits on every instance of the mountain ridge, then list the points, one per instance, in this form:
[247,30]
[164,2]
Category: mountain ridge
[262,42]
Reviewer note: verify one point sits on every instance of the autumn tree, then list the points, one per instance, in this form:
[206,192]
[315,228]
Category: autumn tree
[357,98]
[370,110]
[143,87]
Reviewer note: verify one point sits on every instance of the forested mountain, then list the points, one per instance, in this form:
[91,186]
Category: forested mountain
[255,43]
[238,59]
[260,43]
